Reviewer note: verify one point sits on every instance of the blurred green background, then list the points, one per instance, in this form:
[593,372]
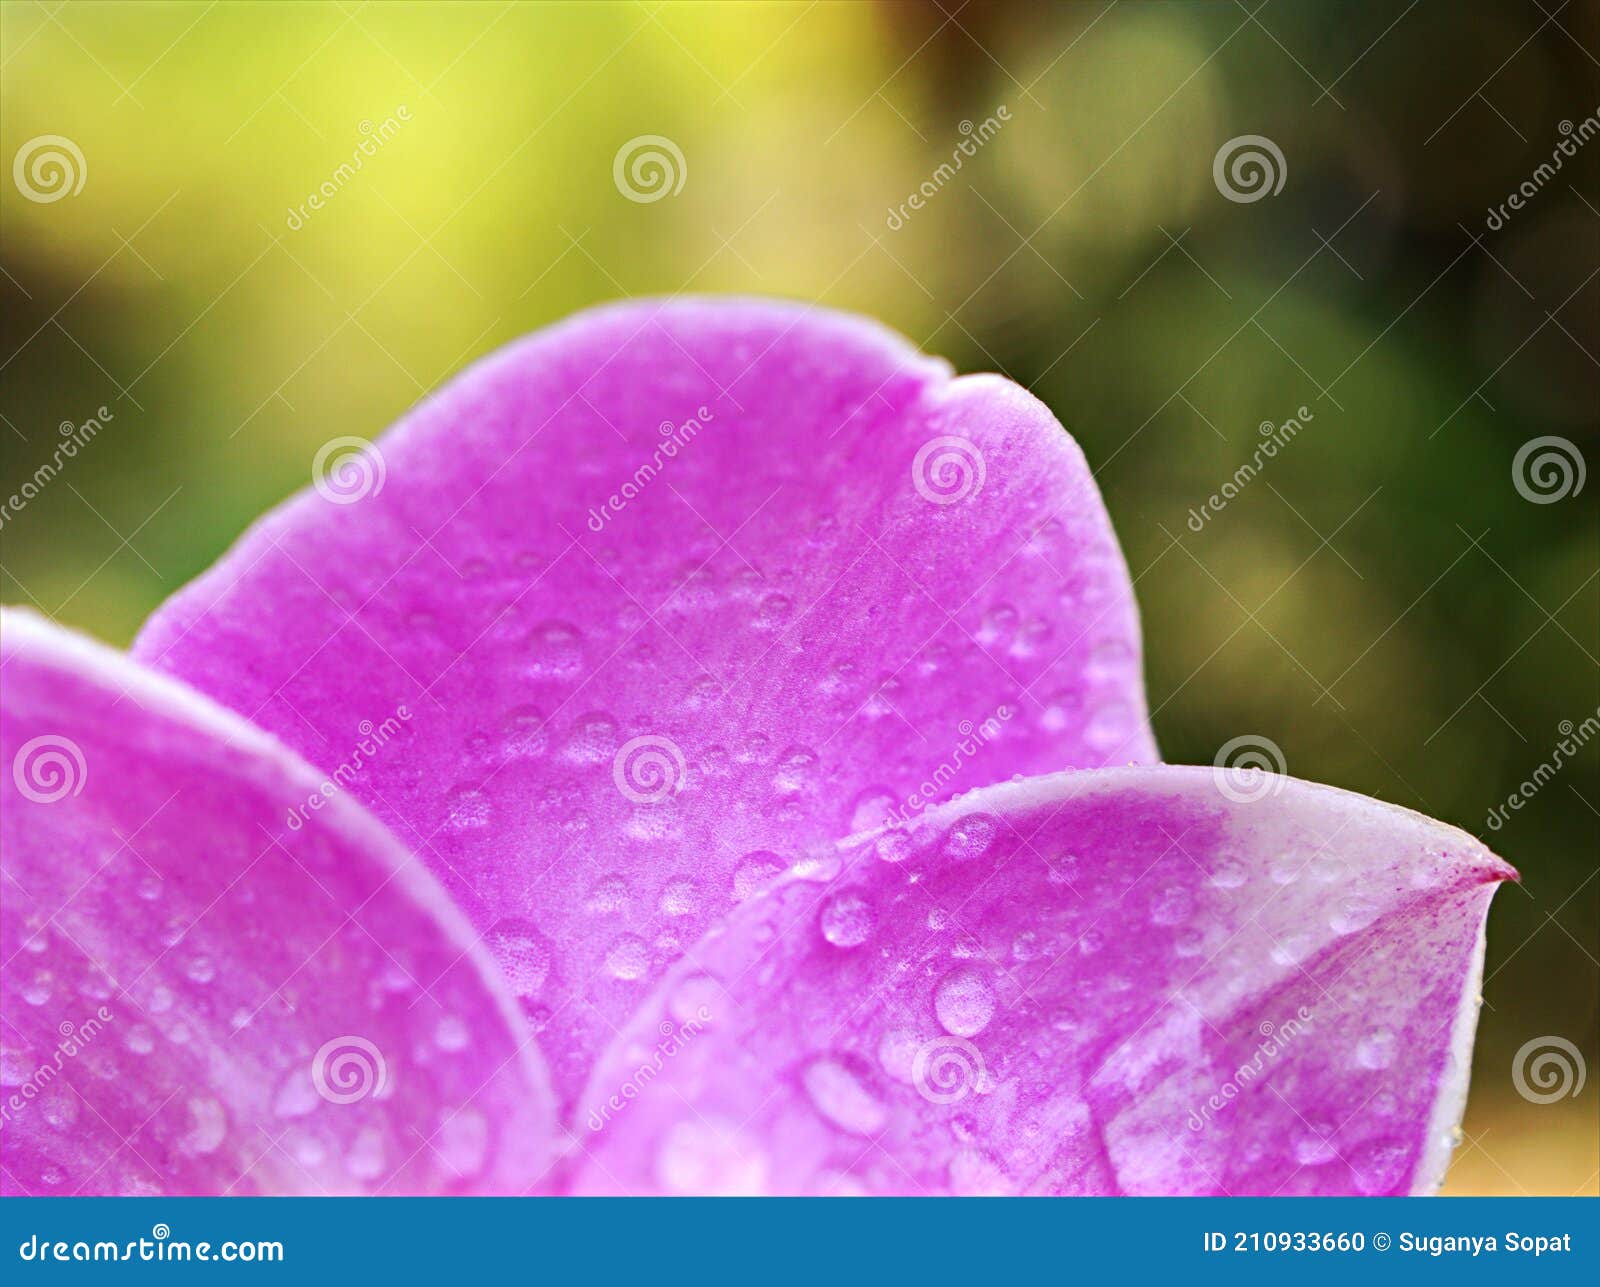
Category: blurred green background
[1381,600]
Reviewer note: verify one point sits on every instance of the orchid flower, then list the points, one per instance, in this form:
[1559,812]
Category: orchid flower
[732,774]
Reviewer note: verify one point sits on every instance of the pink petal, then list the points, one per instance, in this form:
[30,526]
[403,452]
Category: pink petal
[200,1000]
[1122,981]
[619,721]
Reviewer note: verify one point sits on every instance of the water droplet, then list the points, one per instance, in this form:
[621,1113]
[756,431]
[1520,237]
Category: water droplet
[16,1063]
[1292,949]
[755,871]
[796,769]
[773,610]
[628,957]
[871,810]
[523,954]
[970,837]
[1314,1147]
[1376,1050]
[680,898]
[1228,873]
[208,1127]
[700,1158]
[525,733]
[1109,726]
[555,651]
[463,1142]
[608,897]
[1355,913]
[593,739]
[298,1095]
[1171,907]
[964,1001]
[847,919]
[365,1159]
[451,1034]
[897,1054]
[839,1095]
[468,808]
[893,846]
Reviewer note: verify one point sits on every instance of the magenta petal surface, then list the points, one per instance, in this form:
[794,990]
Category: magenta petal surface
[199,999]
[1126,981]
[665,597]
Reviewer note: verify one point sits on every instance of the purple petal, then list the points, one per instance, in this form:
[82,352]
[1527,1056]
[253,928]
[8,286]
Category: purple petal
[199,999]
[1122,981]
[657,600]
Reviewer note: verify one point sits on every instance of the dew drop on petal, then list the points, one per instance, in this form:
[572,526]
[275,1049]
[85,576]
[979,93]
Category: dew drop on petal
[838,1094]
[964,1001]
[628,957]
[847,919]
